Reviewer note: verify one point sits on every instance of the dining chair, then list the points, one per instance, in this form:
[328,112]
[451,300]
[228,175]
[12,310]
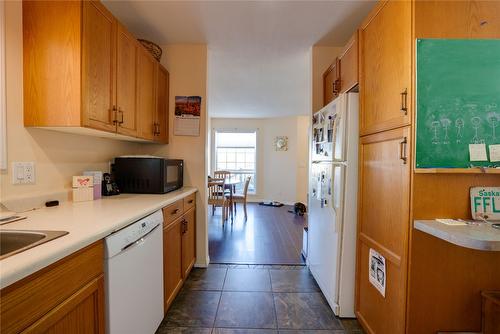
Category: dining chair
[242,197]
[217,197]
[224,174]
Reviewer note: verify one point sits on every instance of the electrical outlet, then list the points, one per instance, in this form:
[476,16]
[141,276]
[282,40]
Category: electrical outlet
[23,172]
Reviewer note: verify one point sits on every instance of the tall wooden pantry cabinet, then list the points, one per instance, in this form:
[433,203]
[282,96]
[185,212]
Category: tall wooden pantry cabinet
[431,285]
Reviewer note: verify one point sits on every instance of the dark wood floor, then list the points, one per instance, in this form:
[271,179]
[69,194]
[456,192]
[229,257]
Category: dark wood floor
[269,236]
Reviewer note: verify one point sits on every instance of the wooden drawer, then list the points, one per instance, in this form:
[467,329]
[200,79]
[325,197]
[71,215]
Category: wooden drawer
[27,300]
[189,202]
[173,211]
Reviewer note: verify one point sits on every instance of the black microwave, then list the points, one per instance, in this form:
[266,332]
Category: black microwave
[148,174]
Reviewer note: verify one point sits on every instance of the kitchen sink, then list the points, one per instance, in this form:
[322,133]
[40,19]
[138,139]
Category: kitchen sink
[16,241]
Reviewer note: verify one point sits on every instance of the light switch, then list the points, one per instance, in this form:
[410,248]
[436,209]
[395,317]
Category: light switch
[23,172]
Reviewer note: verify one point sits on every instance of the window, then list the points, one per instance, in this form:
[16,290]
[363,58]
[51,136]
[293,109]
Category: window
[236,152]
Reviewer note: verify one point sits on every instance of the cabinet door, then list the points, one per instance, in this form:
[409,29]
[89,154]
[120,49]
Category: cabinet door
[188,242]
[385,43]
[147,67]
[331,82]
[383,224]
[98,61]
[172,260]
[162,100]
[126,65]
[83,312]
[349,65]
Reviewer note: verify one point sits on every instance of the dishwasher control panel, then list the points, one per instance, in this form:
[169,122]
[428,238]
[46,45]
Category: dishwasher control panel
[133,233]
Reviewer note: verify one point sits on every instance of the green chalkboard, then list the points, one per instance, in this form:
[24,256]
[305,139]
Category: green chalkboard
[458,101]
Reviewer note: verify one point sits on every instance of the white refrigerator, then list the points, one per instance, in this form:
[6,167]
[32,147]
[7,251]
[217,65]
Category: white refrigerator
[333,185]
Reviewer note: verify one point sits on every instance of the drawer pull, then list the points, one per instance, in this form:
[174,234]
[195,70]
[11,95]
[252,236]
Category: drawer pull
[174,212]
[402,153]
[191,201]
[404,101]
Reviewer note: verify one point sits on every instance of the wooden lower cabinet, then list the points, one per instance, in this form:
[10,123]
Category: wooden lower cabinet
[172,261]
[383,225]
[188,243]
[179,250]
[65,297]
[81,313]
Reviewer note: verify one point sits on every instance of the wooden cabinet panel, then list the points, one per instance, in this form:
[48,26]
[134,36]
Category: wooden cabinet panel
[52,83]
[29,299]
[188,242]
[331,82]
[98,61]
[146,89]
[173,211]
[126,71]
[162,101]
[383,224]
[82,313]
[349,65]
[189,201]
[385,65]
[172,261]
[457,19]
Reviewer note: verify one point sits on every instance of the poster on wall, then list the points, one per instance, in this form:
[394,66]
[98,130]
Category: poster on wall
[187,115]
[377,273]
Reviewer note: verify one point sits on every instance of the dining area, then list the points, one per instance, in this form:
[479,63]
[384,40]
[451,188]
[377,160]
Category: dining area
[225,191]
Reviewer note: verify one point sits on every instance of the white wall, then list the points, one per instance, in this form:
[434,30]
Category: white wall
[187,65]
[281,175]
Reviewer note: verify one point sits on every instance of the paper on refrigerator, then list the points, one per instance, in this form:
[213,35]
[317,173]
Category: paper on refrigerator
[377,271]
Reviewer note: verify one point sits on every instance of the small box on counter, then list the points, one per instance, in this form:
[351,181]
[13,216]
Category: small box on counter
[83,188]
[97,175]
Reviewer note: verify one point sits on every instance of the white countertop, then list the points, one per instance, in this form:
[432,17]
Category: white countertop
[480,237]
[86,223]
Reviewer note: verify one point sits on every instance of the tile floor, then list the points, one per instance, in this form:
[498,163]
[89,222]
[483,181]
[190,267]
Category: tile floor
[253,299]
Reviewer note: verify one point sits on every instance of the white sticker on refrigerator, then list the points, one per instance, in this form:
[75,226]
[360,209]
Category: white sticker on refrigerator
[376,271]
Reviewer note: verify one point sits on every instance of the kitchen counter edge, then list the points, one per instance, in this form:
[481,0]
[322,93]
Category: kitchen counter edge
[117,213]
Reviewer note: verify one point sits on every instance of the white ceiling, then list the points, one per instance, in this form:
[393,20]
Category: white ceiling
[259,61]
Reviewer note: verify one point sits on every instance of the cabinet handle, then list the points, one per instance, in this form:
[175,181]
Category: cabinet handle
[158,129]
[115,116]
[404,101]
[184,226]
[121,116]
[336,86]
[174,212]
[154,129]
[190,201]
[402,152]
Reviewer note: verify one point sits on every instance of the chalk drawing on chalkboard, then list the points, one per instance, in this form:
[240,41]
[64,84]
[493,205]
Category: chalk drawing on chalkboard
[493,119]
[459,124]
[435,127]
[446,122]
[476,124]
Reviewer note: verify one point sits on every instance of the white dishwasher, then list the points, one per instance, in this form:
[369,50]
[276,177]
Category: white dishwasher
[134,277]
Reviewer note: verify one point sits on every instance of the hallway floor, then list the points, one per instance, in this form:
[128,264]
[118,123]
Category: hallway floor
[260,299]
[269,236]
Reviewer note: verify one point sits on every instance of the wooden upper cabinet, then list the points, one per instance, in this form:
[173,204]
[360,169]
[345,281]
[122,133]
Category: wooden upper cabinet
[331,82]
[385,67]
[91,81]
[52,87]
[162,100]
[349,65]
[146,97]
[126,71]
[98,61]
[383,225]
